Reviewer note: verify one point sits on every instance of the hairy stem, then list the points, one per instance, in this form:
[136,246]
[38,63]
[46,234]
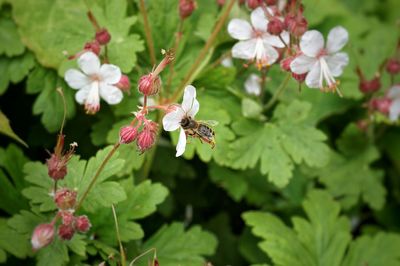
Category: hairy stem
[147,31]
[278,92]
[203,52]
[96,175]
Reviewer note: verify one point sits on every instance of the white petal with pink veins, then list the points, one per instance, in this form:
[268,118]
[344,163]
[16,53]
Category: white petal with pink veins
[244,49]
[302,64]
[311,43]
[89,63]
[240,29]
[110,74]
[181,146]
[337,39]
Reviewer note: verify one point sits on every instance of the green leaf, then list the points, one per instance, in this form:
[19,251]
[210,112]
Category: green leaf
[10,43]
[49,103]
[177,247]
[54,254]
[367,250]
[80,173]
[14,69]
[13,242]
[6,129]
[251,109]
[68,29]
[319,240]
[278,146]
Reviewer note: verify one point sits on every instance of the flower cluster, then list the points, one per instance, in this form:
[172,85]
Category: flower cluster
[64,199]
[95,80]
[278,32]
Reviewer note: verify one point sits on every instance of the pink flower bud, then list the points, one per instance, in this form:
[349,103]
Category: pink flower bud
[296,24]
[65,198]
[186,8]
[382,105]
[82,224]
[93,46]
[42,236]
[56,167]
[103,36]
[66,232]
[149,84]
[146,139]
[253,4]
[124,84]
[275,26]
[270,2]
[393,66]
[285,63]
[362,125]
[127,134]
[221,2]
[299,77]
[369,86]
[67,217]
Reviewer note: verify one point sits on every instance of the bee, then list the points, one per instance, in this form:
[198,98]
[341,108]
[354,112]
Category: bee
[199,129]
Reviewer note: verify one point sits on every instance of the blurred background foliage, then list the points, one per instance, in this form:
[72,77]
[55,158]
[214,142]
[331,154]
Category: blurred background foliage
[296,185]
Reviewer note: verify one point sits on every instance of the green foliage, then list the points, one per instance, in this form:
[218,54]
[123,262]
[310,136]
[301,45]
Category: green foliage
[10,43]
[279,146]
[175,246]
[80,174]
[6,129]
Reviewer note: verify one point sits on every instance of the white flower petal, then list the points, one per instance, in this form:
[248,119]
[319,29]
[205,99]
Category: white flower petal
[227,62]
[259,20]
[337,38]
[313,78]
[275,40]
[172,120]
[252,84]
[76,79]
[394,92]
[89,63]
[269,55]
[240,29]
[244,49]
[302,64]
[93,96]
[110,74]
[110,94]
[311,43]
[394,110]
[189,104]
[180,147]
[82,94]
[336,63]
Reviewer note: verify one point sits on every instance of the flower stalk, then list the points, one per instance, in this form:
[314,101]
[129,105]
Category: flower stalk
[147,32]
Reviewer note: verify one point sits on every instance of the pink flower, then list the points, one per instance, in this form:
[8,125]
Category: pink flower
[321,63]
[94,81]
[42,236]
[82,224]
[255,43]
[65,198]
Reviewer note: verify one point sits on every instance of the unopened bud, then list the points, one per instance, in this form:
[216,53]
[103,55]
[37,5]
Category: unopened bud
[124,84]
[66,232]
[186,8]
[285,63]
[127,134]
[82,224]
[103,36]
[67,217]
[65,198]
[57,169]
[297,25]
[382,105]
[393,66]
[149,84]
[275,26]
[270,2]
[221,2]
[253,4]
[42,236]
[93,46]
[146,139]
[370,86]
[299,77]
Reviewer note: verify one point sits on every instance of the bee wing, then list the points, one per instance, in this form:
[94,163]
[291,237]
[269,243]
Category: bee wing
[211,123]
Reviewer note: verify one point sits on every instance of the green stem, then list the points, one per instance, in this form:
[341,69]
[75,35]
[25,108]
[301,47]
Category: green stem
[121,248]
[147,32]
[103,164]
[278,92]
[203,52]
[178,36]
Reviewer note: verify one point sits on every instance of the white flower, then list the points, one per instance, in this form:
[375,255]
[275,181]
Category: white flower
[227,62]
[96,81]
[255,43]
[323,64]
[172,121]
[252,85]
[394,109]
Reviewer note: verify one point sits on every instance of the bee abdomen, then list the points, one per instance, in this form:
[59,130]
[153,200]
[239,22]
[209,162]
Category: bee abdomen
[205,131]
